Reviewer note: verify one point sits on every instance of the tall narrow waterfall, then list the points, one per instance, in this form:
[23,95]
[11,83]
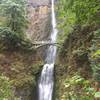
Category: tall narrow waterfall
[46,80]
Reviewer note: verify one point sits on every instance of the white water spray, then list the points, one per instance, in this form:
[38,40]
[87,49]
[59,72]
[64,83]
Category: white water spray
[46,81]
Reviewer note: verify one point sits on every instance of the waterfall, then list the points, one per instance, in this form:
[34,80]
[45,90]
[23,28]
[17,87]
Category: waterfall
[46,81]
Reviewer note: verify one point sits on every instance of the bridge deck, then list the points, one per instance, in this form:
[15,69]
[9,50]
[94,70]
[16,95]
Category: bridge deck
[44,43]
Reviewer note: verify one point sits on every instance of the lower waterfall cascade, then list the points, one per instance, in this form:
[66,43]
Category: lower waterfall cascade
[46,81]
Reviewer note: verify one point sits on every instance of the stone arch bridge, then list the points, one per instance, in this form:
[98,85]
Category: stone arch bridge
[38,44]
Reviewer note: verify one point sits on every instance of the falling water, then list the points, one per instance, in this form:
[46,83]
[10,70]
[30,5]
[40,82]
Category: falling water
[46,80]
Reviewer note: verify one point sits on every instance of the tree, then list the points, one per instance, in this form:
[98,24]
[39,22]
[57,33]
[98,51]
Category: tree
[85,10]
[15,14]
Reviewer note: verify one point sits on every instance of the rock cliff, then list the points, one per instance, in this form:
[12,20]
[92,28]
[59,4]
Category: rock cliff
[39,20]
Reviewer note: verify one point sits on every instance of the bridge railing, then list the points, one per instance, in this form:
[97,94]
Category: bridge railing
[38,44]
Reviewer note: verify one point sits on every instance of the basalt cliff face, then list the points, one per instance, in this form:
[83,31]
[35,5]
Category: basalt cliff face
[39,2]
[39,20]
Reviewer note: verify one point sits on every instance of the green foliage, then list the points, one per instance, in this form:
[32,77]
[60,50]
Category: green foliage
[5,88]
[85,10]
[95,55]
[15,13]
[77,87]
[66,21]
[97,95]
[72,13]
[11,40]
[13,22]
[37,68]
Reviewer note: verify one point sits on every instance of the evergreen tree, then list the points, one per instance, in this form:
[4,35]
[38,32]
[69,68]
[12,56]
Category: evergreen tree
[15,13]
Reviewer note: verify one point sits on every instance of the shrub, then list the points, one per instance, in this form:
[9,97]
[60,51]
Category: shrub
[13,41]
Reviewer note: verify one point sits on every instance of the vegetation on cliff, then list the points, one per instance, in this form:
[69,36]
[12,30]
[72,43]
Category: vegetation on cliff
[79,54]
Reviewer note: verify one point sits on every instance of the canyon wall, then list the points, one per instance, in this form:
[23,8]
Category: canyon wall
[39,19]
